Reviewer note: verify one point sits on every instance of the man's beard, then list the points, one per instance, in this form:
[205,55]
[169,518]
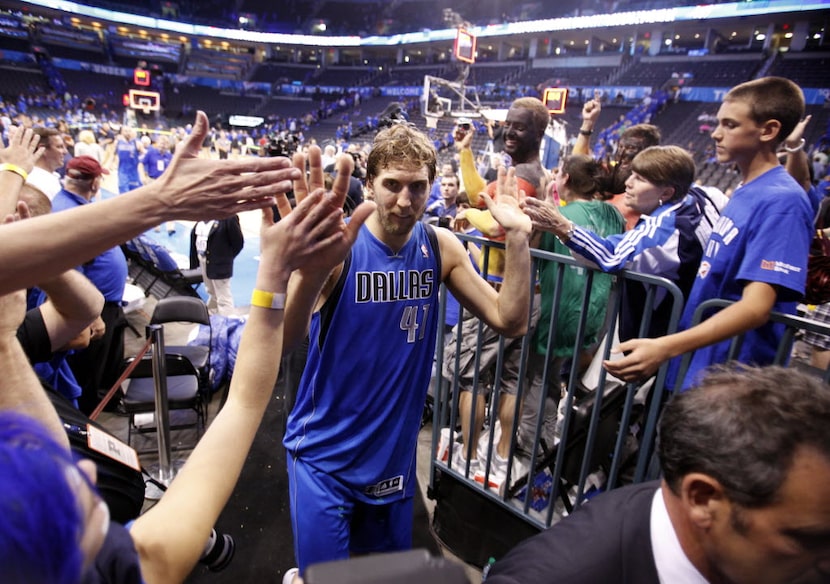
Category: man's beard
[400,227]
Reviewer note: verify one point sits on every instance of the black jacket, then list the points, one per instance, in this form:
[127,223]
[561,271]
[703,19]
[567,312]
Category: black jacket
[608,540]
[225,241]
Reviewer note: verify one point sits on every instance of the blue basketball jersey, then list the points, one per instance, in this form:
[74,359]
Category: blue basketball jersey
[362,393]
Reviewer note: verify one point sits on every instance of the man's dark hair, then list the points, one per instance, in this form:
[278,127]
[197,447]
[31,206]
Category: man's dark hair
[771,98]
[743,426]
[647,133]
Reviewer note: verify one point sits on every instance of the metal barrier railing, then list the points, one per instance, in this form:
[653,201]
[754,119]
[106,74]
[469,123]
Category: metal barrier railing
[595,428]
[607,434]
[792,325]
[164,472]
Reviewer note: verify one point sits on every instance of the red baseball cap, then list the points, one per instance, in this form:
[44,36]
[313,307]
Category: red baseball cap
[85,165]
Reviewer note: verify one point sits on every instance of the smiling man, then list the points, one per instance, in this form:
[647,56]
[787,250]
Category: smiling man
[352,433]
[524,128]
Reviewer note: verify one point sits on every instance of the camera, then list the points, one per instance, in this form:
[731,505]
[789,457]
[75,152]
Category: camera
[218,552]
[395,113]
[444,222]
[463,127]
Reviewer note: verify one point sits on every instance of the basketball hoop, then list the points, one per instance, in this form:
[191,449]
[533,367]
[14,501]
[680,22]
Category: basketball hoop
[145,101]
[432,122]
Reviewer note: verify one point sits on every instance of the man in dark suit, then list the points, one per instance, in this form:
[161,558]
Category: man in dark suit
[213,247]
[744,499]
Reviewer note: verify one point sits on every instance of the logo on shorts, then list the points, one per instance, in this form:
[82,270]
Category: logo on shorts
[703,270]
[385,487]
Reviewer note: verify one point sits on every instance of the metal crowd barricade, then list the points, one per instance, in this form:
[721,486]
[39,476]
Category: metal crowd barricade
[607,435]
[792,325]
[596,431]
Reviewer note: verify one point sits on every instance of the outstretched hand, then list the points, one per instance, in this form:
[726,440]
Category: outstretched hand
[544,214]
[303,185]
[200,188]
[22,149]
[505,207]
[311,236]
[642,359]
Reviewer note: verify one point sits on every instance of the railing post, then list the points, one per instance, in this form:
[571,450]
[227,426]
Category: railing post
[156,332]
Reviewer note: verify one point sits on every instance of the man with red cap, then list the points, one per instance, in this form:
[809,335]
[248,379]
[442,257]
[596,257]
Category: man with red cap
[97,367]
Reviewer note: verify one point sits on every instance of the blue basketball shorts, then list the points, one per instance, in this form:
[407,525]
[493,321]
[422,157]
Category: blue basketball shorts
[331,521]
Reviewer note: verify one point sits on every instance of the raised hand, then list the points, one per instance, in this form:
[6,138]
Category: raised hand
[304,185]
[505,207]
[22,149]
[591,110]
[463,138]
[311,236]
[795,137]
[199,188]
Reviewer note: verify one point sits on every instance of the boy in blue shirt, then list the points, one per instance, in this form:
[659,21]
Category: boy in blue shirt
[757,253]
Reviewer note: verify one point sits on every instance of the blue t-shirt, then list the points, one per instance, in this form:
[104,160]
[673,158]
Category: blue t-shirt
[361,396]
[763,235]
[108,271]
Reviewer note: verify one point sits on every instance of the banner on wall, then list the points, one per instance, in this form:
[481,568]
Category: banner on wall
[401,91]
[812,95]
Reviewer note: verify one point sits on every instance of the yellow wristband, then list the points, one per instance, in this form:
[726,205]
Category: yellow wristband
[273,300]
[6,166]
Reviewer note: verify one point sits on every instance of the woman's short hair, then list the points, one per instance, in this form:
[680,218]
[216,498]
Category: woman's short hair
[40,518]
[666,166]
[86,136]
